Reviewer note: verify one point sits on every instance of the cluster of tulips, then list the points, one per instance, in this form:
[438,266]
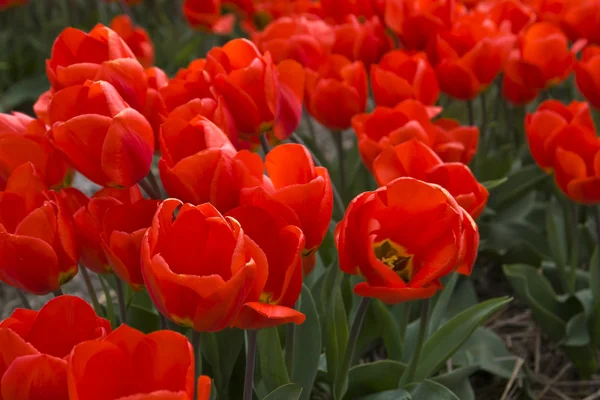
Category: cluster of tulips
[225,237]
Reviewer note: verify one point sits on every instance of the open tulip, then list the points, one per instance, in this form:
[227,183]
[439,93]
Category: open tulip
[545,125]
[301,194]
[390,126]
[128,364]
[400,76]
[514,13]
[402,238]
[365,42]
[579,19]
[454,142]
[136,38]
[200,267]
[415,159]
[35,346]
[283,245]
[200,164]
[336,92]
[37,241]
[192,82]
[22,140]
[587,73]
[108,142]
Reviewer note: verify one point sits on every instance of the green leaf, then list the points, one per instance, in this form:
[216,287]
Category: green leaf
[110,309]
[595,325]
[23,91]
[307,345]
[557,238]
[489,185]
[518,184]
[458,381]
[373,377]
[335,323]
[222,350]
[439,309]
[142,319]
[291,391]
[390,330]
[272,365]
[577,333]
[446,340]
[398,394]
[428,390]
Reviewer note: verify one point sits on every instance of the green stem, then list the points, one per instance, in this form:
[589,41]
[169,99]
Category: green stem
[198,358]
[147,187]
[121,298]
[264,142]
[24,299]
[90,288]
[574,247]
[154,185]
[290,338]
[597,220]
[163,321]
[311,127]
[58,292]
[341,379]
[406,308]
[409,374]
[339,145]
[250,361]
[471,112]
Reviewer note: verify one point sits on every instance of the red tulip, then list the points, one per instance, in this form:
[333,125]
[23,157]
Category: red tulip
[35,347]
[586,74]
[512,13]
[365,42]
[580,20]
[136,38]
[200,267]
[400,76]
[336,92]
[128,364]
[283,245]
[5,4]
[199,164]
[37,242]
[206,14]
[454,142]
[339,10]
[415,159]
[22,140]
[108,142]
[402,238]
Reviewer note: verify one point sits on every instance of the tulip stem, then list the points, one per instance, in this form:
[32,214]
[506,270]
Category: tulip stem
[90,288]
[341,378]
[145,185]
[24,299]
[597,219]
[339,144]
[264,142]
[574,247]
[155,186]
[290,333]
[250,360]
[121,298]
[197,358]
[406,308]
[409,374]
[58,292]
[471,112]
[311,127]
[163,321]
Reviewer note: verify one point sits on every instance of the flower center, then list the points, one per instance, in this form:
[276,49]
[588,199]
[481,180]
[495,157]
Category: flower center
[266,298]
[395,257]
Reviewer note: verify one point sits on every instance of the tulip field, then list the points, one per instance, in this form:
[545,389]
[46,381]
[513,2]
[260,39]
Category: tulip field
[299,199]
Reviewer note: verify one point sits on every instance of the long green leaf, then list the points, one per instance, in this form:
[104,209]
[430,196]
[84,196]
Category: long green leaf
[390,330]
[272,364]
[290,391]
[429,390]
[442,304]
[373,377]
[398,394]
[446,340]
[110,309]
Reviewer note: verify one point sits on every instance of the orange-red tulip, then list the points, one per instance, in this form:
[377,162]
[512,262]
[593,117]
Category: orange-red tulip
[136,38]
[124,226]
[470,56]
[339,10]
[402,238]
[454,142]
[37,241]
[192,82]
[199,164]
[35,347]
[415,159]
[108,142]
[545,125]
[128,364]
[390,126]
[283,245]
[301,193]
[22,140]
[200,267]
[580,18]
[306,39]
[542,60]
[512,13]
[587,74]
[400,76]
[577,164]
[206,15]
[365,42]
[336,92]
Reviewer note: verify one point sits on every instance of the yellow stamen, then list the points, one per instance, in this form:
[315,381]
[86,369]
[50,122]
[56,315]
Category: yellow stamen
[396,257]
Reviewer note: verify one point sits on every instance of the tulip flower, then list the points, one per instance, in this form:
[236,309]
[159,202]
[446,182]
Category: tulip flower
[283,245]
[129,364]
[199,267]
[390,126]
[580,20]
[108,142]
[402,238]
[586,74]
[512,13]
[454,142]
[545,125]
[301,194]
[543,59]
[5,4]
[577,164]
[136,38]
[36,345]
[400,76]
[306,39]
[200,164]
[124,226]
[206,15]
[189,83]
[415,159]
[339,10]
[22,140]
[336,92]
[37,241]
[366,42]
